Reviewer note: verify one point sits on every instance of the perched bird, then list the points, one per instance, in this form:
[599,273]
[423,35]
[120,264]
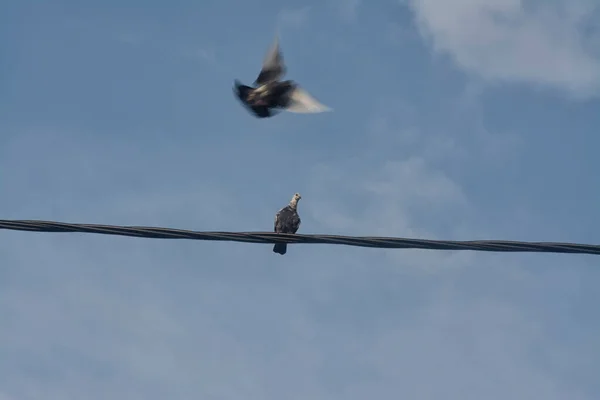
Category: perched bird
[270,94]
[287,220]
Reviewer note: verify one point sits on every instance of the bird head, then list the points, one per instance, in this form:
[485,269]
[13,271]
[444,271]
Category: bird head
[295,199]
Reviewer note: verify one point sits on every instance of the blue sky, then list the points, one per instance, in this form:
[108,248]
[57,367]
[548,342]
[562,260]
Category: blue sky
[452,119]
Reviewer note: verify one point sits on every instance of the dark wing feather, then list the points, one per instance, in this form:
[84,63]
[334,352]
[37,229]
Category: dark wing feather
[241,91]
[273,67]
[281,94]
[287,220]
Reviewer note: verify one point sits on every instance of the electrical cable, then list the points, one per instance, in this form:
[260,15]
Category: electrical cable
[271,238]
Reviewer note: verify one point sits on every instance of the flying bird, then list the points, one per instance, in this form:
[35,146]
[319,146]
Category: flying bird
[269,94]
[287,220]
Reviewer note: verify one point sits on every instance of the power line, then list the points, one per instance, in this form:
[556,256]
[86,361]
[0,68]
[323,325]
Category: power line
[271,238]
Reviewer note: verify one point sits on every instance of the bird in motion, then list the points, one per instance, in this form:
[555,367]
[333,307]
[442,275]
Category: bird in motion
[269,94]
[287,220]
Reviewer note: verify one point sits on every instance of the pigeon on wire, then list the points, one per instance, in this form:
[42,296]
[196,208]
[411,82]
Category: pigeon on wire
[270,94]
[287,220]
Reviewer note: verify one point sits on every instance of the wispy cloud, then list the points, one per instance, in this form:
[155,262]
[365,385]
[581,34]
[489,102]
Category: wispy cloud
[537,42]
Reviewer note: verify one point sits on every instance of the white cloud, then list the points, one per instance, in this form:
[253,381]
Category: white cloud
[396,191]
[513,40]
[406,197]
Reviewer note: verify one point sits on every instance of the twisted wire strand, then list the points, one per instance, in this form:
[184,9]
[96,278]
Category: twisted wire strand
[271,238]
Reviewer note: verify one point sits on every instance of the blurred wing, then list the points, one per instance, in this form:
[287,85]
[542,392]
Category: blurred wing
[302,102]
[273,67]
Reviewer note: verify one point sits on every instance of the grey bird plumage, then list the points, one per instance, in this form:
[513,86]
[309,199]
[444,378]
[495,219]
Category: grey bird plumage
[287,220]
[270,94]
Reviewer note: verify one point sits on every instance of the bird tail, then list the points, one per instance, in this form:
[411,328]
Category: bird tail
[280,248]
